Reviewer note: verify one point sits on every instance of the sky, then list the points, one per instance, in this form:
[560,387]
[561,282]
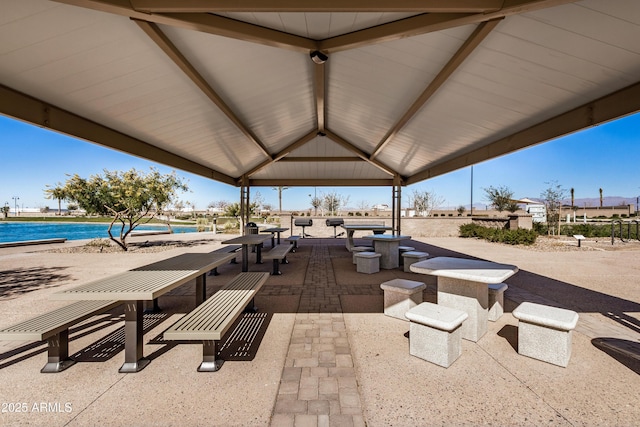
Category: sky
[606,156]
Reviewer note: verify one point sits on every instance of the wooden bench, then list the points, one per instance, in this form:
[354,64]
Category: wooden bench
[278,254]
[212,319]
[294,241]
[54,327]
[226,249]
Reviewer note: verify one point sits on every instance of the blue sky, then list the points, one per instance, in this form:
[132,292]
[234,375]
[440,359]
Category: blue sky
[606,156]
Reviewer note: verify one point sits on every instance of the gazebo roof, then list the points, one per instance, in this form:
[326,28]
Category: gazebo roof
[409,89]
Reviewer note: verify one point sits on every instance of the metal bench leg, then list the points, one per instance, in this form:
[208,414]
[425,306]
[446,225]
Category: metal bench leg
[201,289]
[259,253]
[214,272]
[155,307]
[58,353]
[209,354]
[133,344]
[276,269]
[284,260]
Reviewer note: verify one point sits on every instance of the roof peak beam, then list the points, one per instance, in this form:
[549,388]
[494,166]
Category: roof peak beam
[321,182]
[203,22]
[213,6]
[429,22]
[320,90]
[39,113]
[163,42]
[610,107]
[361,154]
[472,42]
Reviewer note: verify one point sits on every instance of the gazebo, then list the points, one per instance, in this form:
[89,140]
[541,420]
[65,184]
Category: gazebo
[319,93]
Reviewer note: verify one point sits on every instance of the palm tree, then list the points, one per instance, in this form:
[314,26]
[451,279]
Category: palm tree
[572,198]
[601,197]
[59,193]
[280,189]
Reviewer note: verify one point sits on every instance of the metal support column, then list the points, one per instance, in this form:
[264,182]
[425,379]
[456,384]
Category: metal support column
[396,204]
[244,204]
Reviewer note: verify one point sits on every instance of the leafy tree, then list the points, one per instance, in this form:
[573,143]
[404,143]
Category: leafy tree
[316,202]
[5,211]
[501,198]
[58,193]
[425,201]
[131,198]
[552,198]
[461,209]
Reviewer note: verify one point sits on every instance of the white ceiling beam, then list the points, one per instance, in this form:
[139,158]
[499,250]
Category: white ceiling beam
[429,22]
[277,157]
[163,42]
[472,42]
[319,84]
[203,22]
[426,6]
[42,114]
[321,159]
[321,182]
[618,104]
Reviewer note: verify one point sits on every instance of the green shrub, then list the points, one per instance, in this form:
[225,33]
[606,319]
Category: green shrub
[501,235]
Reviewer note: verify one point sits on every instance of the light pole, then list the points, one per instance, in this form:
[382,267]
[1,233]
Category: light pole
[15,204]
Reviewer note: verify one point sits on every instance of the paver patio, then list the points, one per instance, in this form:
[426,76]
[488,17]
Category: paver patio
[324,354]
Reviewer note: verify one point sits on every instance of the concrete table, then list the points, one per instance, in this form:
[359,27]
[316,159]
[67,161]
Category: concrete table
[245,241]
[352,228]
[274,231]
[146,283]
[462,284]
[388,246]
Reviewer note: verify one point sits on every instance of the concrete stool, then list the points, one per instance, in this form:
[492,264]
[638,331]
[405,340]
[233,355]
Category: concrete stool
[434,333]
[400,296]
[496,300]
[411,257]
[356,249]
[544,332]
[403,249]
[367,262]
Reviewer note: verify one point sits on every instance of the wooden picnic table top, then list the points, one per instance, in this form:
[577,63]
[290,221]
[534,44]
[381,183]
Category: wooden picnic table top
[248,239]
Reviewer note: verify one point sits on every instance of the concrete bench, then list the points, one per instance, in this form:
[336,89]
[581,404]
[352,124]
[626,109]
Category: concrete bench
[279,255]
[434,333]
[212,319]
[400,296]
[293,240]
[496,300]
[54,327]
[367,262]
[403,249]
[226,249]
[357,249]
[544,332]
[411,257]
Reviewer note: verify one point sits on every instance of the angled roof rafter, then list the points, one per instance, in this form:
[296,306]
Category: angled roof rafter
[618,104]
[40,113]
[276,157]
[203,22]
[189,70]
[472,42]
[361,154]
[427,23]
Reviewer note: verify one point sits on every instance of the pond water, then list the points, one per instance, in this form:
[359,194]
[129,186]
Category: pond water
[21,231]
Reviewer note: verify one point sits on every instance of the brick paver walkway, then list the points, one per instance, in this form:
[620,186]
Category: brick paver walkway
[318,385]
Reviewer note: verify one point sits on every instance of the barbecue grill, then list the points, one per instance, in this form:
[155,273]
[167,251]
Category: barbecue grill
[303,222]
[335,222]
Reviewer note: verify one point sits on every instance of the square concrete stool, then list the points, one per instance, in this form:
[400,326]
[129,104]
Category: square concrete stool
[434,333]
[411,257]
[367,262]
[403,249]
[400,296]
[496,300]
[544,332]
[356,249]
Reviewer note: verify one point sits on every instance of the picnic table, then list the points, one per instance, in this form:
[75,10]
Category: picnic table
[245,241]
[352,228]
[388,246]
[463,284]
[146,283]
[274,231]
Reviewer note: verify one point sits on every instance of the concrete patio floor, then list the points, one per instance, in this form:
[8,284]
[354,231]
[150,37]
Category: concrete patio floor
[320,351]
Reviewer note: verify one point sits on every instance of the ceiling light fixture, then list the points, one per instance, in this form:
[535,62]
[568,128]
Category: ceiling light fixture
[318,57]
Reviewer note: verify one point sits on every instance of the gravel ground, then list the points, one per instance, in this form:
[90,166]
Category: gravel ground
[566,244]
[106,246]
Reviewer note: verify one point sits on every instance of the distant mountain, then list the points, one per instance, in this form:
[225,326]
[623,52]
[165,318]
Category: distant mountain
[595,201]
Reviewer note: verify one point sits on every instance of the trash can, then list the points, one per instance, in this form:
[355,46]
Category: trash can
[251,228]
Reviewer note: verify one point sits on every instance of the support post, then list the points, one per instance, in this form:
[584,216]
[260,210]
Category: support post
[396,204]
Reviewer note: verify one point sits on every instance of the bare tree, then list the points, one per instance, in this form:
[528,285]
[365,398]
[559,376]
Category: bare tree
[425,201]
[552,198]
